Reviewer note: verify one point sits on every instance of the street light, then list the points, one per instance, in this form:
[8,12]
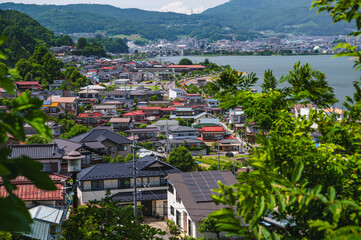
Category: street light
[74,166]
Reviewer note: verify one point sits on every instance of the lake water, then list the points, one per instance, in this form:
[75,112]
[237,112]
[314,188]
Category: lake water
[339,71]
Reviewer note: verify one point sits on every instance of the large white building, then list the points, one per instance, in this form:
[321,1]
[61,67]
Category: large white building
[177,93]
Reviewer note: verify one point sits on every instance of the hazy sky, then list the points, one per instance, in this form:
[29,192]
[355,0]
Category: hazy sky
[180,6]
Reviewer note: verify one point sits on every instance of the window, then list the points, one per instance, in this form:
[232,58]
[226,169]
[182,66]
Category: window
[124,183]
[97,185]
[178,218]
[170,188]
[177,197]
[163,182]
[122,148]
[86,160]
[190,227]
[172,210]
[50,167]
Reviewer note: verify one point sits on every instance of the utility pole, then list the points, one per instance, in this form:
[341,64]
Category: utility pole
[135,181]
[219,161]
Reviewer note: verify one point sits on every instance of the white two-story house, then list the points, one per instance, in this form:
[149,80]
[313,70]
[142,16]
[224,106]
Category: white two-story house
[118,178]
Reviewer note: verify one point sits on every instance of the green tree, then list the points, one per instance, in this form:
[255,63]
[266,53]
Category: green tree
[181,158]
[66,125]
[25,109]
[209,225]
[75,131]
[82,43]
[185,61]
[107,219]
[64,40]
[36,139]
[181,121]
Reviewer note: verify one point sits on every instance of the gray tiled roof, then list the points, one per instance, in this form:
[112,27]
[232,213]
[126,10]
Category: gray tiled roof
[182,129]
[101,134]
[124,170]
[36,151]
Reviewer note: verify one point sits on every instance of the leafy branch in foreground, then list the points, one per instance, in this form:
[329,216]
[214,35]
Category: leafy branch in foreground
[25,109]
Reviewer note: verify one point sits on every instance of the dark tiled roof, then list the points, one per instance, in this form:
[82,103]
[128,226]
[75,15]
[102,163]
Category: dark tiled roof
[124,170]
[101,134]
[145,195]
[197,210]
[36,151]
[140,130]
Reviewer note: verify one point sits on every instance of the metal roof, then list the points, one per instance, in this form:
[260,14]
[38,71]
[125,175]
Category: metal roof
[101,134]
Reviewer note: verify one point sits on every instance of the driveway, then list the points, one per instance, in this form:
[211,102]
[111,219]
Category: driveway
[157,223]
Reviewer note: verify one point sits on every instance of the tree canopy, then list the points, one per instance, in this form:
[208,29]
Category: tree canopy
[181,158]
[185,61]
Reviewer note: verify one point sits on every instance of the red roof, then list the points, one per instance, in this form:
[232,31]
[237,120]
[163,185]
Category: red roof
[92,71]
[27,191]
[150,108]
[178,103]
[86,115]
[212,129]
[134,113]
[24,83]
[107,68]
[193,94]
[169,109]
[186,66]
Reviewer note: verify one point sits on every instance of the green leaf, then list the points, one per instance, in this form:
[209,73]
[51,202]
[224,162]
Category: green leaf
[15,216]
[331,193]
[266,234]
[7,84]
[297,171]
[31,169]
[3,170]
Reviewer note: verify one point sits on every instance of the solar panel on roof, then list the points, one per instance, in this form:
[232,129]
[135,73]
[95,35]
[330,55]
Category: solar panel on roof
[201,183]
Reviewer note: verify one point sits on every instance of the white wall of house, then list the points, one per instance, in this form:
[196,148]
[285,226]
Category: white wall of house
[87,194]
[179,93]
[178,206]
[183,135]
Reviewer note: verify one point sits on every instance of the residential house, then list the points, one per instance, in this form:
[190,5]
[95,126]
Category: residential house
[89,97]
[93,152]
[200,108]
[163,103]
[48,154]
[117,95]
[212,133]
[194,98]
[236,116]
[164,125]
[54,127]
[42,94]
[184,111]
[168,111]
[189,198]
[91,119]
[229,145]
[33,196]
[22,86]
[121,123]
[152,111]
[98,88]
[5,94]
[138,116]
[46,222]
[63,105]
[57,83]
[118,177]
[176,93]
[212,103]
[115,143]
[182,132]
[339,113]
[149,133]
[109,111]
[194,146]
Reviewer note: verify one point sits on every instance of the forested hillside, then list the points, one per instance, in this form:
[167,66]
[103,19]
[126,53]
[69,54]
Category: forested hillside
[288,16]
[24,35]
[235,19]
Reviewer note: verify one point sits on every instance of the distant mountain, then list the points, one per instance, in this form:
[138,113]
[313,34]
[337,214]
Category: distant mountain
[236,19]
[24,35]
[288,16]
